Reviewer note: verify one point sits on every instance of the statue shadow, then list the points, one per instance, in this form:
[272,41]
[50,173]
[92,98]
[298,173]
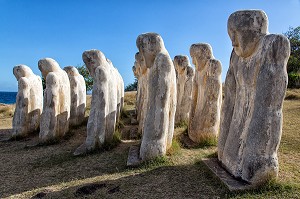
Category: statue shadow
[185,181]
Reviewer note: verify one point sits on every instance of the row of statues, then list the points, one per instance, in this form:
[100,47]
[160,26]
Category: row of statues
[248,124]
[51,112]
[63,102]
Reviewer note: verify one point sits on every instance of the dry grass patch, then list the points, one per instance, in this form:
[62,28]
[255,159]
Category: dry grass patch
[52,172]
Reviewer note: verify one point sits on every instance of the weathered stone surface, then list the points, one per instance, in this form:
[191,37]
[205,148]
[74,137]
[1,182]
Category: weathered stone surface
[204,120]
[184,79]
[57,101]
[29,102]
[133,156]
[103,114]
[232,183]
[142,91]
[159,122]
[255,86]
[120,91]
[78,96]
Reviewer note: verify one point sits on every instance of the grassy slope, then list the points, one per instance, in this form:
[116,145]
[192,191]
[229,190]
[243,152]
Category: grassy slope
[53,171]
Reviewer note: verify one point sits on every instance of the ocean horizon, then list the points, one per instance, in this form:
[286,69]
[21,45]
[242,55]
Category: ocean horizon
[7,97]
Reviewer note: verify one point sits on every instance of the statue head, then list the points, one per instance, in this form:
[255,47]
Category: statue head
[92,59]
[48,65]
[140,64]
[22,71]
[71,71]
[200,53]
[181,62]
[245,29]
[149,45]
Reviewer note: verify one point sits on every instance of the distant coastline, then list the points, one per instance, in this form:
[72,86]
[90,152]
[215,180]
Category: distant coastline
[8,97]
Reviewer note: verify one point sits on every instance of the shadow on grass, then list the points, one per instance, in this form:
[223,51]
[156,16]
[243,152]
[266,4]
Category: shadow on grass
[188,181]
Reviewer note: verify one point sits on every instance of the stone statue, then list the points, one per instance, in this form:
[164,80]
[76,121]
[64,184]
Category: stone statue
[103,114]
[159,122]
[29,102]
[207,95]
[184,78]
[120,89]
[142,92]
[255,86]
[78,96]
[57,101]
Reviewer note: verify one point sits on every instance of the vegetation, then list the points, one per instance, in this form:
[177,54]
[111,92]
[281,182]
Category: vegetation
[53,172]
[293,66]
[86,75]
[132,86]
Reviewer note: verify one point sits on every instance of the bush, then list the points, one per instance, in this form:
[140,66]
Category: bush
[294,80]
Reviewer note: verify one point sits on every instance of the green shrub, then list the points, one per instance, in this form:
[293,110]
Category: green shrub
[294,80]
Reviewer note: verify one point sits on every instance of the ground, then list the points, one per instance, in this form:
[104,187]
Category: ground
[52,172]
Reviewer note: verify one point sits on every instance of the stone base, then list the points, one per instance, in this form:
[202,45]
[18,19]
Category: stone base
[232,183]
[133,156]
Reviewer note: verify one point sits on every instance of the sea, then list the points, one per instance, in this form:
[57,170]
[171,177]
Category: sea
[8,97]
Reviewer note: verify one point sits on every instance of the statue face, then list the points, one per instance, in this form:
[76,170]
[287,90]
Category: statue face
[149,45]
[181,63]
[244,42]
[245,29]
[200,54]
[93,59]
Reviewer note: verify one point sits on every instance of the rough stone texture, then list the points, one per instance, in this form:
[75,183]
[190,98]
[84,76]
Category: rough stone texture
[120,90]
[133,156]
[232,183]
[184,79]
[204,120]
[255,86]
[103,114]
[159,122]
[142,91]
[57,101]
[78,96]
[29,102]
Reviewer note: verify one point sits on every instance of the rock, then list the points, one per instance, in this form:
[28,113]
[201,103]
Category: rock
[184,79]
[255,86]
[78,96]
[204,120]
[103,115]
[159,122]
[29,102]
[57,101]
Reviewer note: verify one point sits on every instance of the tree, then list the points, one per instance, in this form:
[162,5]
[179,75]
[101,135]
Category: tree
[132,86]
[293,66]
[87,77]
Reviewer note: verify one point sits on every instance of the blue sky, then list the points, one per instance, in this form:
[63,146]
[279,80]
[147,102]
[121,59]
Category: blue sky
[63,29]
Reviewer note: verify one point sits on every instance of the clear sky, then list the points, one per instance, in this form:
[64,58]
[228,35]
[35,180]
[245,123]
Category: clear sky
[63,29]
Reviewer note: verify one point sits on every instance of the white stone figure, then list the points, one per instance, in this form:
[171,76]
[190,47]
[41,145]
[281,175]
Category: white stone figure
[255,86]
[204,120]
[184,79]
[159,122]
[78,96]
[120,89]
[142,91]
[103,115]
[57,101]
[29,102]
[137,73]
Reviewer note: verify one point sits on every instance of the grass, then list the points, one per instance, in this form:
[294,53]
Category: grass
[6,111]
[52,172]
